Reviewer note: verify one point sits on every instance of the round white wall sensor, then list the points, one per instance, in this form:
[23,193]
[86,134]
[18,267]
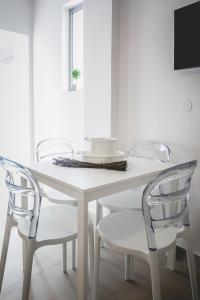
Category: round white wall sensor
[187,106]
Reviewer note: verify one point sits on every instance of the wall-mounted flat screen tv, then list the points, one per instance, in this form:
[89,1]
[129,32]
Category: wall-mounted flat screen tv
[187,37]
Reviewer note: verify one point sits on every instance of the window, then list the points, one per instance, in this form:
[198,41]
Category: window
[76,48]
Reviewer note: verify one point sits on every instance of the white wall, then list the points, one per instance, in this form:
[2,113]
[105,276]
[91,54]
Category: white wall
[15,79]
[58,113]
[97,67]
[16,126]
[14,96]
[151,93]
[16,16]
[115,39]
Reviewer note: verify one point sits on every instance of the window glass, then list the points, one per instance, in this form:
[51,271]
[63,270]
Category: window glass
[76,48]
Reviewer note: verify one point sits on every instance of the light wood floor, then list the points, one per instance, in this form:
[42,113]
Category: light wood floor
[50,283]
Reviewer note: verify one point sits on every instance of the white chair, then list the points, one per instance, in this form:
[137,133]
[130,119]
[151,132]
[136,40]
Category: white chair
[132,199]
[146,233]
[47,150]
[37,226]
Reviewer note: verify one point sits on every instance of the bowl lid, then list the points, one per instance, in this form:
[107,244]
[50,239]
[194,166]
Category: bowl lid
[100,139]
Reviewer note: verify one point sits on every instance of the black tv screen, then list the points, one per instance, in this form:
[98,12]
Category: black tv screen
[187,37]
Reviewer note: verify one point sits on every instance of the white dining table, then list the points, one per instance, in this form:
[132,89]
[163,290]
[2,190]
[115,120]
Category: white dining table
[91,184]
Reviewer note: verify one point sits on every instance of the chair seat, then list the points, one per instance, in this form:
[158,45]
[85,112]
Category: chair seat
[130,199]
[56,196]
[55,222]
[125,232]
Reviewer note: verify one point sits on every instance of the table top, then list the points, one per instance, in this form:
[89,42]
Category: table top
[90,184]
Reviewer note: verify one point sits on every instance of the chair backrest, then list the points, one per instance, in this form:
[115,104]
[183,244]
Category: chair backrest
[14,173]
[171,201]
[151,150]
[53,148]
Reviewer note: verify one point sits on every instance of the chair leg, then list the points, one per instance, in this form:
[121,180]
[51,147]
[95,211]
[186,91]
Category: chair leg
[101,212]
[64,250]
[171,258]
[192,270]
[155,275]
[30,249]
[74,254]
[98,212]
[4,250]
[23,253]
[96,265]
[91,255]
[128,267]
[99,216]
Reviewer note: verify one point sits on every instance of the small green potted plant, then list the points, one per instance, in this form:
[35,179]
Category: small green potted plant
[76,76]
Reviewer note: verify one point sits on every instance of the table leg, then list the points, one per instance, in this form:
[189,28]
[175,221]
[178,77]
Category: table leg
[82,271]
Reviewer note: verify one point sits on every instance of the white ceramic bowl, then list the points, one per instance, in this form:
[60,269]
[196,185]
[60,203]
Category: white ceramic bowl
[102,147]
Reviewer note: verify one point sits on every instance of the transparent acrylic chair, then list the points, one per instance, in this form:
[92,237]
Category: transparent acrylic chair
[132,199]
[47,150]
[146,233]
[36,226]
